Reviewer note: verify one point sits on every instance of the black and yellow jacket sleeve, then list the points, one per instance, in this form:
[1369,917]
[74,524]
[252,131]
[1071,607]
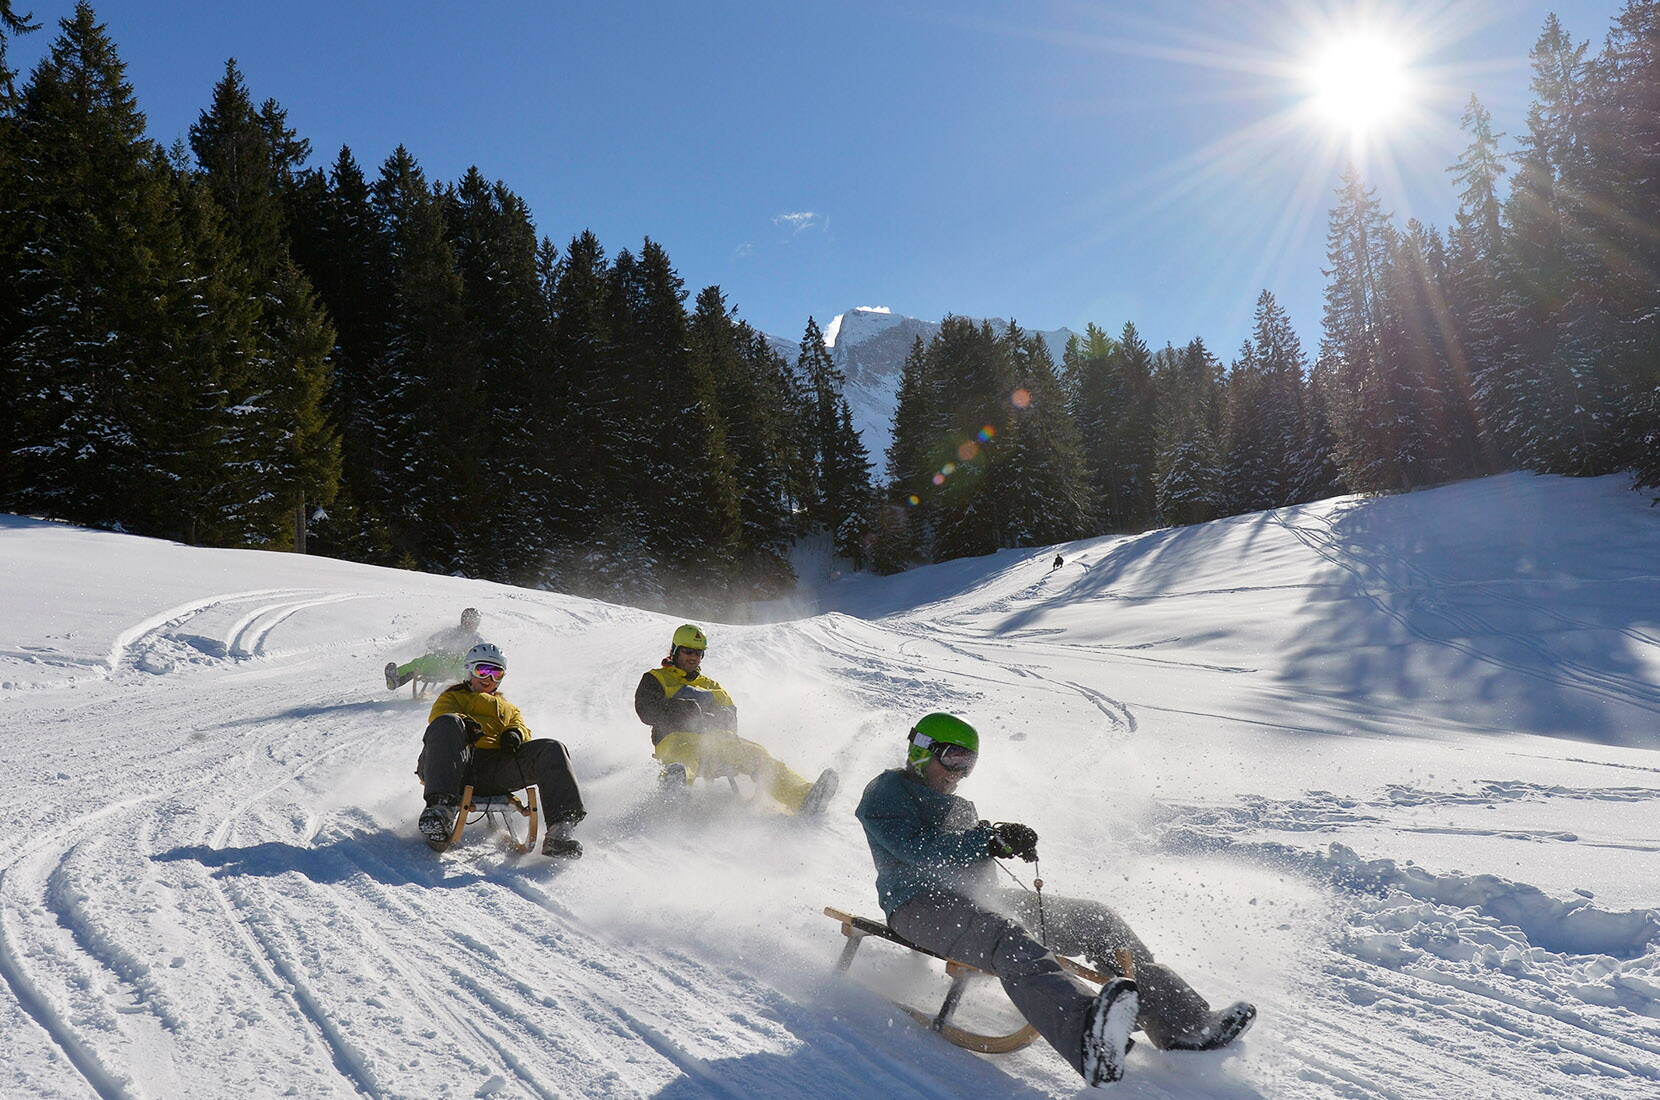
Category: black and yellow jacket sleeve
[670,702]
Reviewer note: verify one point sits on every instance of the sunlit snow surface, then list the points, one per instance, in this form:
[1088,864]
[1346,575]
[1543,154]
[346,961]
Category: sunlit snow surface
[1387,767]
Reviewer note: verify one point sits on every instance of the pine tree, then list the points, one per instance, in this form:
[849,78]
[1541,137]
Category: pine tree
[842,499]
[1188,471]
[100,239]
[681,450]
[496,257]
[1374,417]
[1633,148]
[1564,409]
[338,243]
[1482,353]
[248,160]
[11,255]
[10,23]
[751,392]
[904,527]
[1038,474]
[435,430]
[605,545]
[977,377]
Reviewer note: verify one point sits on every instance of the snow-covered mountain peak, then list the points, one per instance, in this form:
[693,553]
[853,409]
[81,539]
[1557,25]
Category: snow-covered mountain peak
[859,322]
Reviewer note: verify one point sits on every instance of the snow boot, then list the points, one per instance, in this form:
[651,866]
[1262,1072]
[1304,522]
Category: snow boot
[393,683]
[438,822]
[820,793]
[1107,1031]
[560,843]
[1224,1027]
[673,786]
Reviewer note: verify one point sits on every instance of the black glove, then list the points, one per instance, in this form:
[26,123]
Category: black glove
[1010,838]
[474,730]
[511,738]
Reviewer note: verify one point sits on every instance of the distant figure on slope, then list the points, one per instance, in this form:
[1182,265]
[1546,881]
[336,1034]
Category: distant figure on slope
[694,731]
[442,660]
[1057,565]
[937,883]
[476,736]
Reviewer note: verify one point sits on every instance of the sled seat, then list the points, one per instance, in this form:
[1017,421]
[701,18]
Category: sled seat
[856,929]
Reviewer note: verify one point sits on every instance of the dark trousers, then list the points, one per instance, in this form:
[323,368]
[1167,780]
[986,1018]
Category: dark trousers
[1005,943]
[447,762]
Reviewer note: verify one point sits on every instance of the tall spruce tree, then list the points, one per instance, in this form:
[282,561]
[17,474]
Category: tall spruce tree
[751,392]
[1482,348]
[1189,471]
[435,430]
[1372,411]
[1633,152]
[842,498]
[11,237]
[977,377]
[1565,408]
[1038,476]
[99,239]
[495,250]
[248,160]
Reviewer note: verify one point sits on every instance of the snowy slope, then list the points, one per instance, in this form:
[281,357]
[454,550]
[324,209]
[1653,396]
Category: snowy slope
[1387,767]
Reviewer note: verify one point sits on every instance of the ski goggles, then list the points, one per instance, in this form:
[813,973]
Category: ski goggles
[953,758]
[488,672]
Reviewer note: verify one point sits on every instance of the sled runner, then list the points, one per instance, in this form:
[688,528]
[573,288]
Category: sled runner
[857,928]
[493,809]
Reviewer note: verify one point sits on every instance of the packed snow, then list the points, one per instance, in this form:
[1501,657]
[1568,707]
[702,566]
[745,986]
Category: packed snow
[1387,767]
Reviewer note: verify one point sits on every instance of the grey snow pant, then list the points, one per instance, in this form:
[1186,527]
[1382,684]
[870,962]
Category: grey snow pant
[1050,999]
[447,761]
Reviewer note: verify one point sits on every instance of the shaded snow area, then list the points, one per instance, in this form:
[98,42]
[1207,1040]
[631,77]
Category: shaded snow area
[1386,767]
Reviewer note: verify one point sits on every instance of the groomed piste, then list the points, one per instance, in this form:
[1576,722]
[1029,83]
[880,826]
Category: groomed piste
[1387,767]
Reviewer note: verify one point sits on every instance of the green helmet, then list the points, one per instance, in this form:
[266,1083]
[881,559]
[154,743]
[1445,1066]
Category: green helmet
[938,729]
[690,637]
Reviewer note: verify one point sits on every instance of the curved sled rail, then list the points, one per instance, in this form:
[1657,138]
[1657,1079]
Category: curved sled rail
[857,928]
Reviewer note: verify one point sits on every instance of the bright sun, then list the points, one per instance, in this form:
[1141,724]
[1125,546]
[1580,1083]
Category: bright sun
[1359,83]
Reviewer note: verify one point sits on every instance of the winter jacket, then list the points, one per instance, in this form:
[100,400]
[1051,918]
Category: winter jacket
[490,711]
[922,840]
[669,701]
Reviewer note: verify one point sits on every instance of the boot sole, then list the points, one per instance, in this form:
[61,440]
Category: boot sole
[1110,1030]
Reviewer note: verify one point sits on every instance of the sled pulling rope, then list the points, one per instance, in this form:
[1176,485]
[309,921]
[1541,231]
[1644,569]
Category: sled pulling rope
[857,928]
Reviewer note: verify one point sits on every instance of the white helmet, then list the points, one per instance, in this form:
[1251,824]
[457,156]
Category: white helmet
[485,653]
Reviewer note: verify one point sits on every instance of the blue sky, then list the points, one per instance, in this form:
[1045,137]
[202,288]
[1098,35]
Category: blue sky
[1058,162]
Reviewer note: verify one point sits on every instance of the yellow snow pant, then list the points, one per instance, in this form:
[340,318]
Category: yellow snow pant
[713,755]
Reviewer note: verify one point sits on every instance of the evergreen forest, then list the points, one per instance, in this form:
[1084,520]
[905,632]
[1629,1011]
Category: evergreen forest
[224,343]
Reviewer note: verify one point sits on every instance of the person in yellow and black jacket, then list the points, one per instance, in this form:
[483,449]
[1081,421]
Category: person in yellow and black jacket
[694,731]
[474,735]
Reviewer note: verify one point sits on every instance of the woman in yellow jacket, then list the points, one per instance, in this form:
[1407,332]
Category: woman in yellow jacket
[475,735]
[694,725]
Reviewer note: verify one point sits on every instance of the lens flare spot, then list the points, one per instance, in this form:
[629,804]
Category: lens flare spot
[939,479]
[948,469]
[986,433]
[1021,398]
[968,452]
[915,500]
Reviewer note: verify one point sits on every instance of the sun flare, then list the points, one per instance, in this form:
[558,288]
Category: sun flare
[1359,82]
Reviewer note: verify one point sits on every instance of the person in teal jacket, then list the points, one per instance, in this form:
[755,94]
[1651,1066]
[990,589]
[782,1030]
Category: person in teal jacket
[936,880]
